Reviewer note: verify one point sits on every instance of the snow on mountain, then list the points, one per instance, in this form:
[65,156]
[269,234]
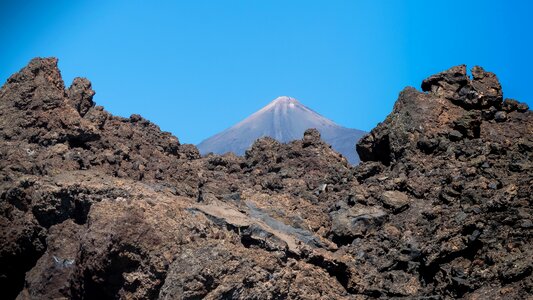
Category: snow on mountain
[284,119]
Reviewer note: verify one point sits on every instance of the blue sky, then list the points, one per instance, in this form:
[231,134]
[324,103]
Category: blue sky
[197,67]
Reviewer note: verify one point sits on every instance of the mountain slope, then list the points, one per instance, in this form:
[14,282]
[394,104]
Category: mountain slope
[284,119]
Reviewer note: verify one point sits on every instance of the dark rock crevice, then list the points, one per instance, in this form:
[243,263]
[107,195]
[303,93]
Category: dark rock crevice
[14,266]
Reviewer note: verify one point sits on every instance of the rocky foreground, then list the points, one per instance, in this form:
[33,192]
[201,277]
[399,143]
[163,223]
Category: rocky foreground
[94,206]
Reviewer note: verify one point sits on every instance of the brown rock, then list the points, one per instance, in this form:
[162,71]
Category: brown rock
[397,201]
[98,206]
[81,95]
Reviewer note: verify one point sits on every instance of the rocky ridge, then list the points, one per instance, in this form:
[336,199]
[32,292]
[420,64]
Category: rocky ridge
[98,206]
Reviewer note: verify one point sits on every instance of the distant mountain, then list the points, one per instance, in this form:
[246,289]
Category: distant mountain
[284,119]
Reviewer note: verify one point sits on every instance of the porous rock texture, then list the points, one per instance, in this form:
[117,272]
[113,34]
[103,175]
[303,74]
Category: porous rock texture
[94,206]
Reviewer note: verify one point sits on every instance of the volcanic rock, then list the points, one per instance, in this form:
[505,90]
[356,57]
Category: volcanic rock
[94,206]
[395,200]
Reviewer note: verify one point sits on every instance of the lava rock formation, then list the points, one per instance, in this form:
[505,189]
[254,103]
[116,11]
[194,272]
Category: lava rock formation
[94,206]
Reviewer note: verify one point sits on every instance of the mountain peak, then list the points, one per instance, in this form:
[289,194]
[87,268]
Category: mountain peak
[284,119]
[285,99]
[282,101]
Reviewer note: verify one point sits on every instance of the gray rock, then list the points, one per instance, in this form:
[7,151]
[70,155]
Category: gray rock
[397,201]
[455,135]
[356,222]
[500,116]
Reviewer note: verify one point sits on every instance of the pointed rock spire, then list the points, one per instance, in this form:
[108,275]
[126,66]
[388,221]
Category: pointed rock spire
[38,85]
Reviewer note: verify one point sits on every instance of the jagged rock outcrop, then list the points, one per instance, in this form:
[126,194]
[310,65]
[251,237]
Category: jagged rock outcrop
[467,173]
[98,206]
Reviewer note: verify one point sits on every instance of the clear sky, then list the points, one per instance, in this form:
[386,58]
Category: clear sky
[197,67]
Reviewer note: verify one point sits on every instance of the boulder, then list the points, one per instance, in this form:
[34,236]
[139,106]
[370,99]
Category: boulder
[394,200]
[355,222]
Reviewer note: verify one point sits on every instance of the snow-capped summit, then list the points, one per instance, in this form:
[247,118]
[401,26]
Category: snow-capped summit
[284,119]
[282,104]
[285,99]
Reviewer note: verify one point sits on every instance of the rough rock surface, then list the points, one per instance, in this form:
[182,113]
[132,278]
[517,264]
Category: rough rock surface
[94,206]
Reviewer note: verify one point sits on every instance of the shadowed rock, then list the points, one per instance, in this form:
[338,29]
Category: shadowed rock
[81,95]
